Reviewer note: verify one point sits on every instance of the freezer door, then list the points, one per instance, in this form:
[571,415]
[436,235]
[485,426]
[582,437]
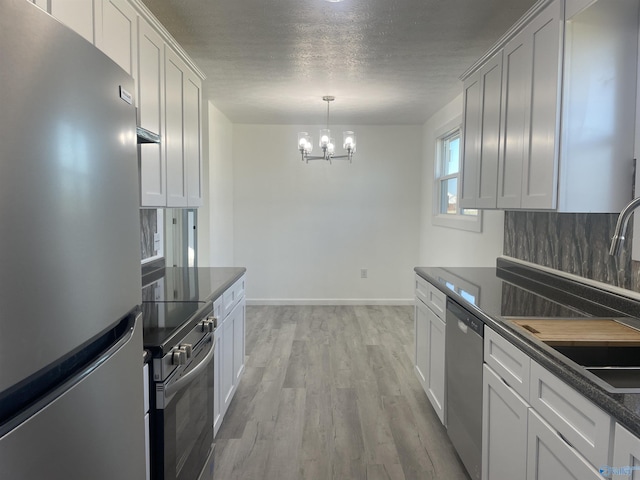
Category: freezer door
[93,428]
[70,243]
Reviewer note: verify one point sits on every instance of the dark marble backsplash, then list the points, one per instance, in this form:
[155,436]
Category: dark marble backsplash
[576,243]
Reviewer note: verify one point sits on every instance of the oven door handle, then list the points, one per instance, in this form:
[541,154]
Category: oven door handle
[172,389]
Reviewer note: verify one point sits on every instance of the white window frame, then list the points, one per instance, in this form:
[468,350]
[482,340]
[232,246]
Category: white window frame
[458,221]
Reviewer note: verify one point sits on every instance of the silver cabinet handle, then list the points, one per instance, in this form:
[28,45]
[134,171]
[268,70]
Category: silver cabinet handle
[462,326]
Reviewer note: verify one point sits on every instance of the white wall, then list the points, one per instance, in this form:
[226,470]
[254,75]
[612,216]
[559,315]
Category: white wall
[304,231]
[215,217]
[448,247]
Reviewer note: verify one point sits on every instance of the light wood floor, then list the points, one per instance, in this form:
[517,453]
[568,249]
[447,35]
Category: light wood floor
[330,393]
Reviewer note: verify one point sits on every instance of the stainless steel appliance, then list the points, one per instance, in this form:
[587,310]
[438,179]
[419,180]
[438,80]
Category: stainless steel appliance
[71,395]
[464,355]
[179,336]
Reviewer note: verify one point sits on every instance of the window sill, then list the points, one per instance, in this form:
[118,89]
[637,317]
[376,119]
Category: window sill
[459,222]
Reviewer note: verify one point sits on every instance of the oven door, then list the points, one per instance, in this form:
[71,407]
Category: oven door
[184,427]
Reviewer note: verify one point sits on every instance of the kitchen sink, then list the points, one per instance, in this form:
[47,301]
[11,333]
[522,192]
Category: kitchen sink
[601,356]
[616,368]
[606,349]
[620,378]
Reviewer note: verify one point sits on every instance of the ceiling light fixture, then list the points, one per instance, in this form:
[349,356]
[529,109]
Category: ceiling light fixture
[305,142]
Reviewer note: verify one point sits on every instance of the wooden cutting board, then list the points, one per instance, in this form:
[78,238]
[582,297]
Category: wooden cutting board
[580,331]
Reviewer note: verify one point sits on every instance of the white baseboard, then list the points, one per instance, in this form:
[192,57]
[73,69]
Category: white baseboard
[331,301]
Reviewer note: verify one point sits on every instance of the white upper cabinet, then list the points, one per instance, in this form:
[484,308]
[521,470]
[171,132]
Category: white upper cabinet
[174,133]
[193,138]
[567,123]
[531,78]
[168,92]
[482,102]
[116,33]
[182,133]
[153,182]
[78,15]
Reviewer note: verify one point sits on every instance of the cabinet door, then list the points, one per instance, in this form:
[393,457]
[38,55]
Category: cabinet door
[436,351]
[421,359]
[540,172]
[580,421]
[549,457]
[217,393]
[192,138]
[226,364]
[516,80]
[174,130]
[504,430]
[116,34]
[76,14]
[150,115]
[472,130]
[508,362]
[626,454]
[238,341]
[491,76]
[482,114]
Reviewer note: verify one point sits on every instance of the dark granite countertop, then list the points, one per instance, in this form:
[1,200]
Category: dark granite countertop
[513,289]
[175,299]
[189,284]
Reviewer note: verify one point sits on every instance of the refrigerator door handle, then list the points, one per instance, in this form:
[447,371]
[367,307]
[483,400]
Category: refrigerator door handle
[45,388]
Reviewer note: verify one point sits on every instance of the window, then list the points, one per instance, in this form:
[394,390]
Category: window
[447,211]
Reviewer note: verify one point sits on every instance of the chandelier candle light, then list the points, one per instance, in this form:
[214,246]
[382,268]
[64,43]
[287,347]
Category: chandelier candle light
[305,142]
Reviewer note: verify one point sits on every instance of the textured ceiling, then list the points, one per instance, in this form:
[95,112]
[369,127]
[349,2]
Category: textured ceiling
[386,61]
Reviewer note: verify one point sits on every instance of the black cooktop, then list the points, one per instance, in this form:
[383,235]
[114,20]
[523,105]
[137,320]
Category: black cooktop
[164,324]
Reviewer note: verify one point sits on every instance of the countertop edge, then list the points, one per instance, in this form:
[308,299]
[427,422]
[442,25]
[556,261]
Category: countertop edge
[233,278]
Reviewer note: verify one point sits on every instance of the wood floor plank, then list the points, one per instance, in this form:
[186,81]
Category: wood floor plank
[329,392]
[283,461]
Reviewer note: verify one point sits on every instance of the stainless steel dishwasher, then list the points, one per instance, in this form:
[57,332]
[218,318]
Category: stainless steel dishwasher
[464,351]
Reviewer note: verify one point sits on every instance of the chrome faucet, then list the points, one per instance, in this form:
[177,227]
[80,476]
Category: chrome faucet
[621,227]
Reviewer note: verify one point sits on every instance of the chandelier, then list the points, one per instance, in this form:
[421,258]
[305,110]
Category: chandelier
[305,142]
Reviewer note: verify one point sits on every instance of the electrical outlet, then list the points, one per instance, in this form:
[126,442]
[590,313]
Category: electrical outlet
[363,273]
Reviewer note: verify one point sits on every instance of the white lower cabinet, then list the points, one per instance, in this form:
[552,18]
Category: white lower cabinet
[436,382]
[577,419]
[217,398]
[504,430]
[226,363]
[421,354]
[541,429]
[229,355]
[550,457]
[626,455]
[238,341]
[429,356]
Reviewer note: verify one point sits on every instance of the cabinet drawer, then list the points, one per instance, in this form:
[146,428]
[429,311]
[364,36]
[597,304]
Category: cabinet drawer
[422,288]
[232,295]
[584,425]
[431,296]
[509,362]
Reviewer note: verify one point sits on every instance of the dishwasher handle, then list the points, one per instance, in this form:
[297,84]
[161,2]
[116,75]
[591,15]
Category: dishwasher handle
[464,319]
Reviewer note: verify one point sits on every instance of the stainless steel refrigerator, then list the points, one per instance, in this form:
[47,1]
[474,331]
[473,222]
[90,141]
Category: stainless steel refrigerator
[71,392]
